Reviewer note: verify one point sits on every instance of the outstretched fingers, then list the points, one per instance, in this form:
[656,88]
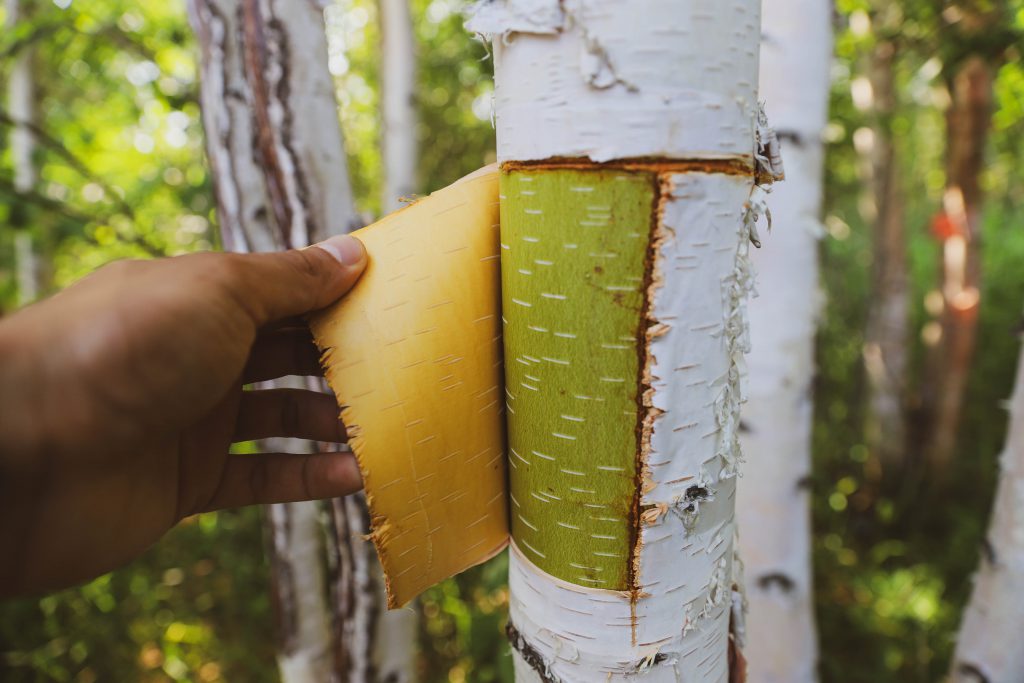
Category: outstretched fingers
[265,478]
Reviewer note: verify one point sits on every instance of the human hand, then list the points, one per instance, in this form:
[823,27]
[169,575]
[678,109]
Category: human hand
[121,395]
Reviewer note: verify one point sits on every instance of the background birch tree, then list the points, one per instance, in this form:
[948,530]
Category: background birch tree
[883,204]
[281,179]
[398,102]
[627,142]
[773,505]
[21,106]
[988,648]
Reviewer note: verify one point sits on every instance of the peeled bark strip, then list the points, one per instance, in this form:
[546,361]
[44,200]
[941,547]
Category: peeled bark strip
[398,102]
[773,507]
[281,181]
[413,354]
[988,649]
[627,140]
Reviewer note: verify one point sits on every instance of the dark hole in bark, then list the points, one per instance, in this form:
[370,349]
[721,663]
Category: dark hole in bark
[697,494]
[529,654]
[988,551]
[790,136]
[804,482]
[785,584]
[967,669]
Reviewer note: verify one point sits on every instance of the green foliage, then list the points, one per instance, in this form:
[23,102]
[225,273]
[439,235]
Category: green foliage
[453,97]
[193,608]
[462,636]
[120,152]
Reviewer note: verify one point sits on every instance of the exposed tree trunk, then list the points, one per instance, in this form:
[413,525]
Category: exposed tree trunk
[281,182]
[21,106]
[299,584]
[627,145]
[989,647]
[887,335]
[371,643]
[773,506]
[949,362]
[398,103]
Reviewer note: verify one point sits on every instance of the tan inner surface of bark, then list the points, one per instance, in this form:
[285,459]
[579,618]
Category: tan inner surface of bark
[413,354]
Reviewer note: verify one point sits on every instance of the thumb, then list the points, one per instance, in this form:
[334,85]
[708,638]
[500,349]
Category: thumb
[289,283]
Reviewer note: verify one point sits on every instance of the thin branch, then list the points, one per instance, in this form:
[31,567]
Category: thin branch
[35,35]
[66,211]
[56,146]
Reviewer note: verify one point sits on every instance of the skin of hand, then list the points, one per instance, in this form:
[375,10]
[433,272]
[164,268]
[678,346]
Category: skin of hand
[121,396]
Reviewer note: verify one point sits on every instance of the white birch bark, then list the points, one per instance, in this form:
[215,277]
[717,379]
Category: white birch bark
[21,108]
[280,171]
[606,81]
[398,104]
[773,509]
[371,642]
[989,648]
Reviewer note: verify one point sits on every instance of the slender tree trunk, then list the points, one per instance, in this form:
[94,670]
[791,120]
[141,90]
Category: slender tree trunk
[281,181]
[627,143]
[989,647]
[967,126]
[887,334]
[773,508]
[371,643]
[21,106]
[398,104]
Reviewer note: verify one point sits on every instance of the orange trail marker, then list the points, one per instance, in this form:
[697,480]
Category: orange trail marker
[413,354]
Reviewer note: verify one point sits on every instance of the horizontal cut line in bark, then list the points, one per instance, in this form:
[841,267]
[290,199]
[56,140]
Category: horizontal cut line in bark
[727,165]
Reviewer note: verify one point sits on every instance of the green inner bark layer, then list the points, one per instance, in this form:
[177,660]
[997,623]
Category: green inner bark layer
[574,249]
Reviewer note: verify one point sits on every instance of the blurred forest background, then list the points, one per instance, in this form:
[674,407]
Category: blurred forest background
[122,173]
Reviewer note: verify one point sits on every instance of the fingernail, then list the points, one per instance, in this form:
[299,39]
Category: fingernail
[347,250]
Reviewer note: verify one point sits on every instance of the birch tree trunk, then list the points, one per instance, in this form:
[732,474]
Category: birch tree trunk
[989,648]
[281,180]
[627,144]
[773,509]
[21,101]
[967,126]
[887,335]
[398,103]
